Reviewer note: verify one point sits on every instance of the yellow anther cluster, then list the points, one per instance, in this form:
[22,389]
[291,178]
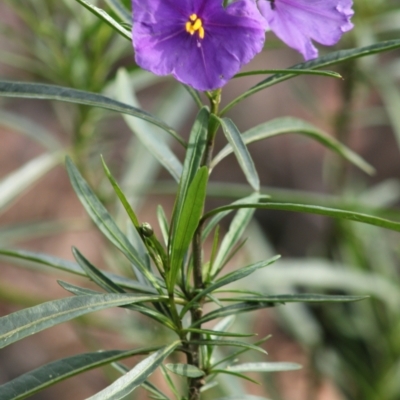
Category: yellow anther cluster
[195,25]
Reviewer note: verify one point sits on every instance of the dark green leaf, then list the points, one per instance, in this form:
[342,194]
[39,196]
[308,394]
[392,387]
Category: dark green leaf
[54,372]
[193,158]
[95,274]
[187,223]
[51,92]
[233,310]
[105,223]
[71,267]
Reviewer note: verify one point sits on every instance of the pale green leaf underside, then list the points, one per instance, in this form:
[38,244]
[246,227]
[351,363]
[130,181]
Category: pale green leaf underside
[28,321]
[136,376]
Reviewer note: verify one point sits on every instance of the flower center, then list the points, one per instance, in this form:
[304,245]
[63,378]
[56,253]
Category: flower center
[195,24]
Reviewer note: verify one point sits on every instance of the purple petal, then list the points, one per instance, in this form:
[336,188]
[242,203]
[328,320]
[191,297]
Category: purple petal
[297,22]
[233,36]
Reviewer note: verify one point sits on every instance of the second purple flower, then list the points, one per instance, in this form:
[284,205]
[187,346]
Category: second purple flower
[298,22]
[199,42]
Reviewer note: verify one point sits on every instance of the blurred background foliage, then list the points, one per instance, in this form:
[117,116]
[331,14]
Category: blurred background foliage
[350,351]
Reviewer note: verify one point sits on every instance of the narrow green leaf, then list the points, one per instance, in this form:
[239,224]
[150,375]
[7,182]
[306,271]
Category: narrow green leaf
[20,324]
[71,267]
[335,57]
[331,74]
[163,222]
[136,376]
[75,289]
[187,223]
[216,333]
[118,7]
[193,158]
[233,343]
[297,298]
[95,274]
[310,209]
[264,367]
[234,373]
[286,125]
[20,180]
[54,372]
[234,309]
[241,152]
[100,13]
[105,223]
[218,217]
[142,309]
[236,229]
[42,91]
[124,201]
[187,370]
[229,278]
[147,134]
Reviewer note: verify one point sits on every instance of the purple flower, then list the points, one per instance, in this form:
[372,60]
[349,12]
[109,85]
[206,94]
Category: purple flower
[296,22]
[199,42]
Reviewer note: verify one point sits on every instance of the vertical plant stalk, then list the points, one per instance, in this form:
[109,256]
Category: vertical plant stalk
[193,355]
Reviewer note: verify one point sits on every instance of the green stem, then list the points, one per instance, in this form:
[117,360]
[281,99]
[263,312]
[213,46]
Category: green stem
[193,355]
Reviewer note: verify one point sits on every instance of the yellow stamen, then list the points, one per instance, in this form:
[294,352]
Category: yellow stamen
[195,24]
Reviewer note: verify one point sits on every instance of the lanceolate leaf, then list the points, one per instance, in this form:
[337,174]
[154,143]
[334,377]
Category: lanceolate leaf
[187,370]
[264,367]
[297,298]
[236,229]
[95,274]
[40,378]
[105,223]
[218,217]
[310,209]
[233,310]
[187,223]
[242,154]
[136,376]
[193,158]
[100,13]
[229,278]
[233,343]
[20,324]
[335,57]
[51,92]
[71,267]
[286,125]
[331,74]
